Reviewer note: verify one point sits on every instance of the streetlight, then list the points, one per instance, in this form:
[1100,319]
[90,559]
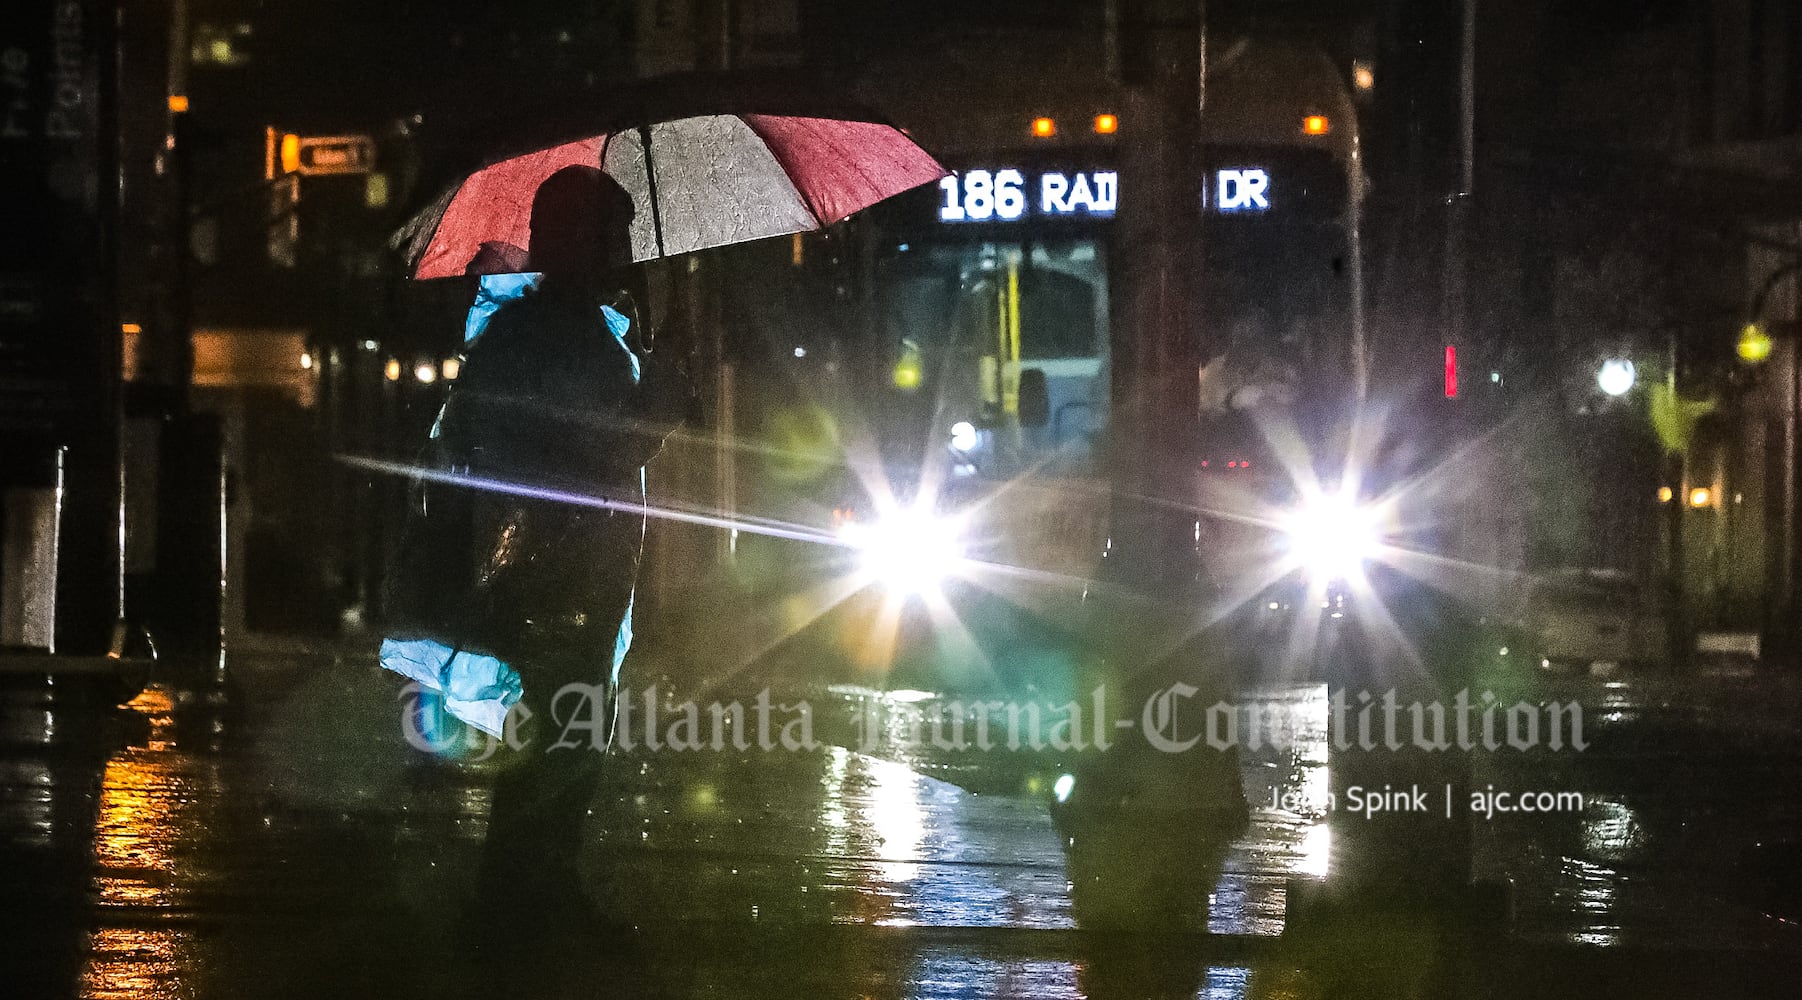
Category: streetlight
[1616,377]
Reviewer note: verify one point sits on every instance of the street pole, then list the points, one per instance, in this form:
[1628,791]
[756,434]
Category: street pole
[1457,267]
[1676,472]
[1354,210]
[1401,866]
[1157,337]
[1140,648]
[1793,482]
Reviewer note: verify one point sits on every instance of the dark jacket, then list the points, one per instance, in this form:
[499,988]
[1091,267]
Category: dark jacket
[552,401]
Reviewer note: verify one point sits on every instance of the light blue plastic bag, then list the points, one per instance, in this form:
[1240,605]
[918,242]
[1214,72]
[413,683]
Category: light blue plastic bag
[477,689]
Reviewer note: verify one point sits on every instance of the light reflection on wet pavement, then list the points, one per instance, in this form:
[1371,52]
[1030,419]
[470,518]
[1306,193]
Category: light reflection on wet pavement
[295,842]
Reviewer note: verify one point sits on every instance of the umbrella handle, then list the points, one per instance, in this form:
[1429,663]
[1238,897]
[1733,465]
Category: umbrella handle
[650,181]
[639,336]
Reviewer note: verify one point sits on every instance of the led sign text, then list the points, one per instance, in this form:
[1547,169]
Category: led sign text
[1243,190]
[1006,196]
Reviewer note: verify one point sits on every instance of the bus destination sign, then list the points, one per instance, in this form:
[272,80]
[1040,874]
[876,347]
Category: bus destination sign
[1011,194]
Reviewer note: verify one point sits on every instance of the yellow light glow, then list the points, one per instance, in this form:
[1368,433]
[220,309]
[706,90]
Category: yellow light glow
[375,190]
[1316,125]
[426,373]
[1106,124]
[178,103]
[130,328]
[1363,77]
[306,359]
[1044,128]
[1700,497]
[907,374]
[393,371]
[451,368]
[1754,344]
[1664,494]
[290,153]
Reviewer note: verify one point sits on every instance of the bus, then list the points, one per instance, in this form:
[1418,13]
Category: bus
[991,334]
[960,360]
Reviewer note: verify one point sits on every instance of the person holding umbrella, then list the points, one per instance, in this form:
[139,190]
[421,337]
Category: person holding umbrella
[551,404]
[552,397]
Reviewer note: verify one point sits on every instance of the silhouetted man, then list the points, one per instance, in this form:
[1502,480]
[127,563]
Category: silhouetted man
[551,398]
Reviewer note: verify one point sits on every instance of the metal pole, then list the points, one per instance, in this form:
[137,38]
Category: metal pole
[1201,57]
[1467,100]
[1792,524]
[113,353]
[1354,186]
[1457,268]
[1676,466]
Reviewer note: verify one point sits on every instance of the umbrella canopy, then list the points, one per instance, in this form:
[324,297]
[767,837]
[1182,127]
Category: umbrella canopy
[697,180]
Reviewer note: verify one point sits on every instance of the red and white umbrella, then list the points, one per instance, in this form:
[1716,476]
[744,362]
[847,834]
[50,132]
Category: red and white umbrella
[697,181]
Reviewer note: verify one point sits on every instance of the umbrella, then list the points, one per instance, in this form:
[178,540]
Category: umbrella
[705,167]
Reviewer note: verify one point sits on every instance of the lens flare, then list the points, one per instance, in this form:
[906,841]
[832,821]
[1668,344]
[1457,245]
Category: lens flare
[1332,535]
[907,550]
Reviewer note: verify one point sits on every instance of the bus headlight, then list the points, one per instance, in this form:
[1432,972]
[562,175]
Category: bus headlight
[1331,535]
[908,551]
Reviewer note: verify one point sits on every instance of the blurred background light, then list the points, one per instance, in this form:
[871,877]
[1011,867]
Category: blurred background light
[1616,376]
[1754,344]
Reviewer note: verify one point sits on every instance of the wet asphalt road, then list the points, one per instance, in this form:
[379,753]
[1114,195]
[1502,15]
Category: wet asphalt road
[287,841]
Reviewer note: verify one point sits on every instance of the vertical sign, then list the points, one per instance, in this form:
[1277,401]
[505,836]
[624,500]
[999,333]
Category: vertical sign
[59,333]
[51,256]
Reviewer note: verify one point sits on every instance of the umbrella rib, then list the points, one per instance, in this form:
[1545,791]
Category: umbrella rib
[650,179]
